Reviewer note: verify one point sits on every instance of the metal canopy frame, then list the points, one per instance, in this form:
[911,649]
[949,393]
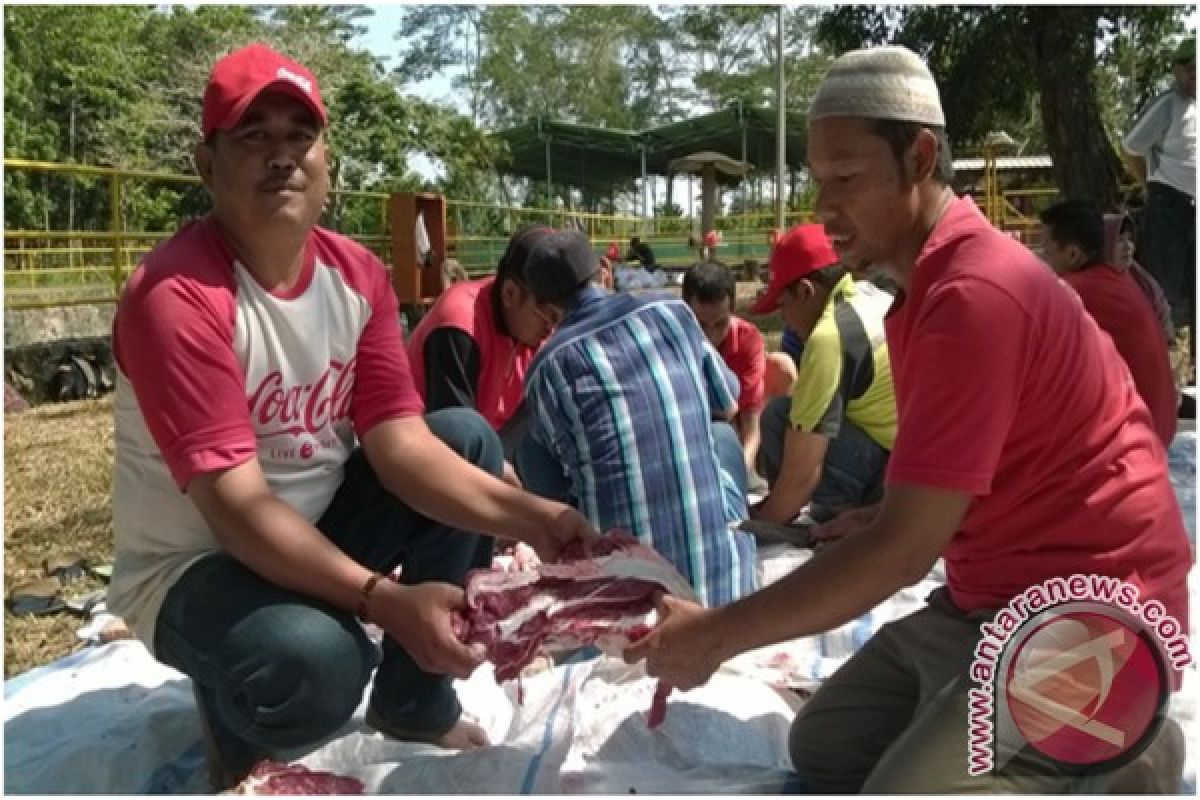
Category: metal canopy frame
[596,159]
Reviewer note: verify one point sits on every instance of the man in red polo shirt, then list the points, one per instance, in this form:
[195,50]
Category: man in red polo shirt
[1072,242]
[1023,455]
[710,291]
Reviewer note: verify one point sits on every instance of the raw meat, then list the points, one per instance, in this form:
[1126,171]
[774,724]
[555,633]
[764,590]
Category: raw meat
[605,599]
[271,777]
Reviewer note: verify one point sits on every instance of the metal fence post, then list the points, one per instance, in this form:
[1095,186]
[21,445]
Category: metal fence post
[115,229]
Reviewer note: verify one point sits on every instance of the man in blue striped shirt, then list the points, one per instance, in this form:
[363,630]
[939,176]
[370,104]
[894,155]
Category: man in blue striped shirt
[622,400]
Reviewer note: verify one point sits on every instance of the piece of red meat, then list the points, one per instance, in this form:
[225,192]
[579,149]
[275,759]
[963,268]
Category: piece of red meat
[272,777]
[605,598]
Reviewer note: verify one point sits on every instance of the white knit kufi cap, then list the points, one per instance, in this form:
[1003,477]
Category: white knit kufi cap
[879,83]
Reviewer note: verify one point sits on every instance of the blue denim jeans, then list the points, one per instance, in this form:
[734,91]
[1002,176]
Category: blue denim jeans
[277,669]
[854,466]
[544,475]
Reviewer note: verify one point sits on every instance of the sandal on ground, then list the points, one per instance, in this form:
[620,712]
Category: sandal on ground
[36,598]
[84,604]
[101,571]
[66,568]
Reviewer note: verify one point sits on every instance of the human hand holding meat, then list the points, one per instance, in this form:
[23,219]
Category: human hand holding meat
[421,619]
[566,526]
[685,648]
[605,597]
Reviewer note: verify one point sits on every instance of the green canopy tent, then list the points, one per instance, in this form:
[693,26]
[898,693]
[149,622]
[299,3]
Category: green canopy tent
[587,157]
[746,134]
[596,160]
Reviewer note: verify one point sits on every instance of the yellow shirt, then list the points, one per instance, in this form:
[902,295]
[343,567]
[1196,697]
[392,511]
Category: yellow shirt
[844,371]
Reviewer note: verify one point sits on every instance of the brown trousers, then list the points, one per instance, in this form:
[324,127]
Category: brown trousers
[894,719]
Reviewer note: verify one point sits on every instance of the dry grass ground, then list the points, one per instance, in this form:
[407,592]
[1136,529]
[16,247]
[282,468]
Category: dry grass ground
[57,487]
[57,482]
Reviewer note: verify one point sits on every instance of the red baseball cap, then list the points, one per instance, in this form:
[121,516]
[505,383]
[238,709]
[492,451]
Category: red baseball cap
[799,252]
[240,77]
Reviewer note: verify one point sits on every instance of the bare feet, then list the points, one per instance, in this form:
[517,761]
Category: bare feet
[465,735]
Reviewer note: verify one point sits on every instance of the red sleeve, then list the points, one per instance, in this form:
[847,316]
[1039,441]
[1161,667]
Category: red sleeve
[173,341]
[961,387]
[383,384]
[752,368]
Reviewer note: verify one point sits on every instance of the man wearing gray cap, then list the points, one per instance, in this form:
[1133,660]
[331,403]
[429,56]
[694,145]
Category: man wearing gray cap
[621,402]
[1023,456]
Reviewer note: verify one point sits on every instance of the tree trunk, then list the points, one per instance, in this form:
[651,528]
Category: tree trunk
[1064,59]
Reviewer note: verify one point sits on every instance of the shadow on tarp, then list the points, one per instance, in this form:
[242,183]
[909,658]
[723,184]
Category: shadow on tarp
[697,750]
[108,741]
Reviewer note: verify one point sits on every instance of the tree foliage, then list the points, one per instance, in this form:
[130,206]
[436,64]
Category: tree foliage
[599,65]
[1055,76]
[121,86]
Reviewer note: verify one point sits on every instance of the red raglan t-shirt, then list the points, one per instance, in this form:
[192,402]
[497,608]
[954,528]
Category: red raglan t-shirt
[213,370]
[1008,391]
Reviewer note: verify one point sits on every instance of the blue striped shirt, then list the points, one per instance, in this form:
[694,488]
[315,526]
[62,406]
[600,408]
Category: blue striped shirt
[623,395]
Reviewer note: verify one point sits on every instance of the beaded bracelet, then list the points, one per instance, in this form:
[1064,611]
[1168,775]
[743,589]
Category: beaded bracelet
[365,596]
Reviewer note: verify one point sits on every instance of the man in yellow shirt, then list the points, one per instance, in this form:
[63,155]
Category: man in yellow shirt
[826,447]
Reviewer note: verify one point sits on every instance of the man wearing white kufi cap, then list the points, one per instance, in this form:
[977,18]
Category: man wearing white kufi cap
[1023,456]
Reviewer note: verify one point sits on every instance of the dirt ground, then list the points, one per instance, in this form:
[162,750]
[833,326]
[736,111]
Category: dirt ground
[57,486]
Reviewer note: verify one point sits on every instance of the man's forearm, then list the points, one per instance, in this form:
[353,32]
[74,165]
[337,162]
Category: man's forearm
[750,432]
[786,499]
[849,578]
[271,539]
[427,475]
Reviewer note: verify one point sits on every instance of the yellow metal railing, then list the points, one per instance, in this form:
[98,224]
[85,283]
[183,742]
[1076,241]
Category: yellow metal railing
[68,267]
[65,267]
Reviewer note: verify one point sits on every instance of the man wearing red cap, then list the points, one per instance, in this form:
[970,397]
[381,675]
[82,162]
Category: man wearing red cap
[826,446]
[273,462]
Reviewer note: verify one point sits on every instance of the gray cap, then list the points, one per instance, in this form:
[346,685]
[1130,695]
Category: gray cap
[558,264]
[879,83]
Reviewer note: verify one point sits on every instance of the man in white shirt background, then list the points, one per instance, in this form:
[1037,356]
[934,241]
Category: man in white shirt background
[1160,151]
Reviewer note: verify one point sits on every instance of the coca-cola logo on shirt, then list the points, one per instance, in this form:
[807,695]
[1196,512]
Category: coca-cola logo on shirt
[278,409]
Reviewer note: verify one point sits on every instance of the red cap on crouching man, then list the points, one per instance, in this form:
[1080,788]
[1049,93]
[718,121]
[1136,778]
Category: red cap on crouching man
[800,252]
[240,77]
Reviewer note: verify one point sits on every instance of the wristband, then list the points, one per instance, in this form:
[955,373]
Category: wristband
[365,595]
